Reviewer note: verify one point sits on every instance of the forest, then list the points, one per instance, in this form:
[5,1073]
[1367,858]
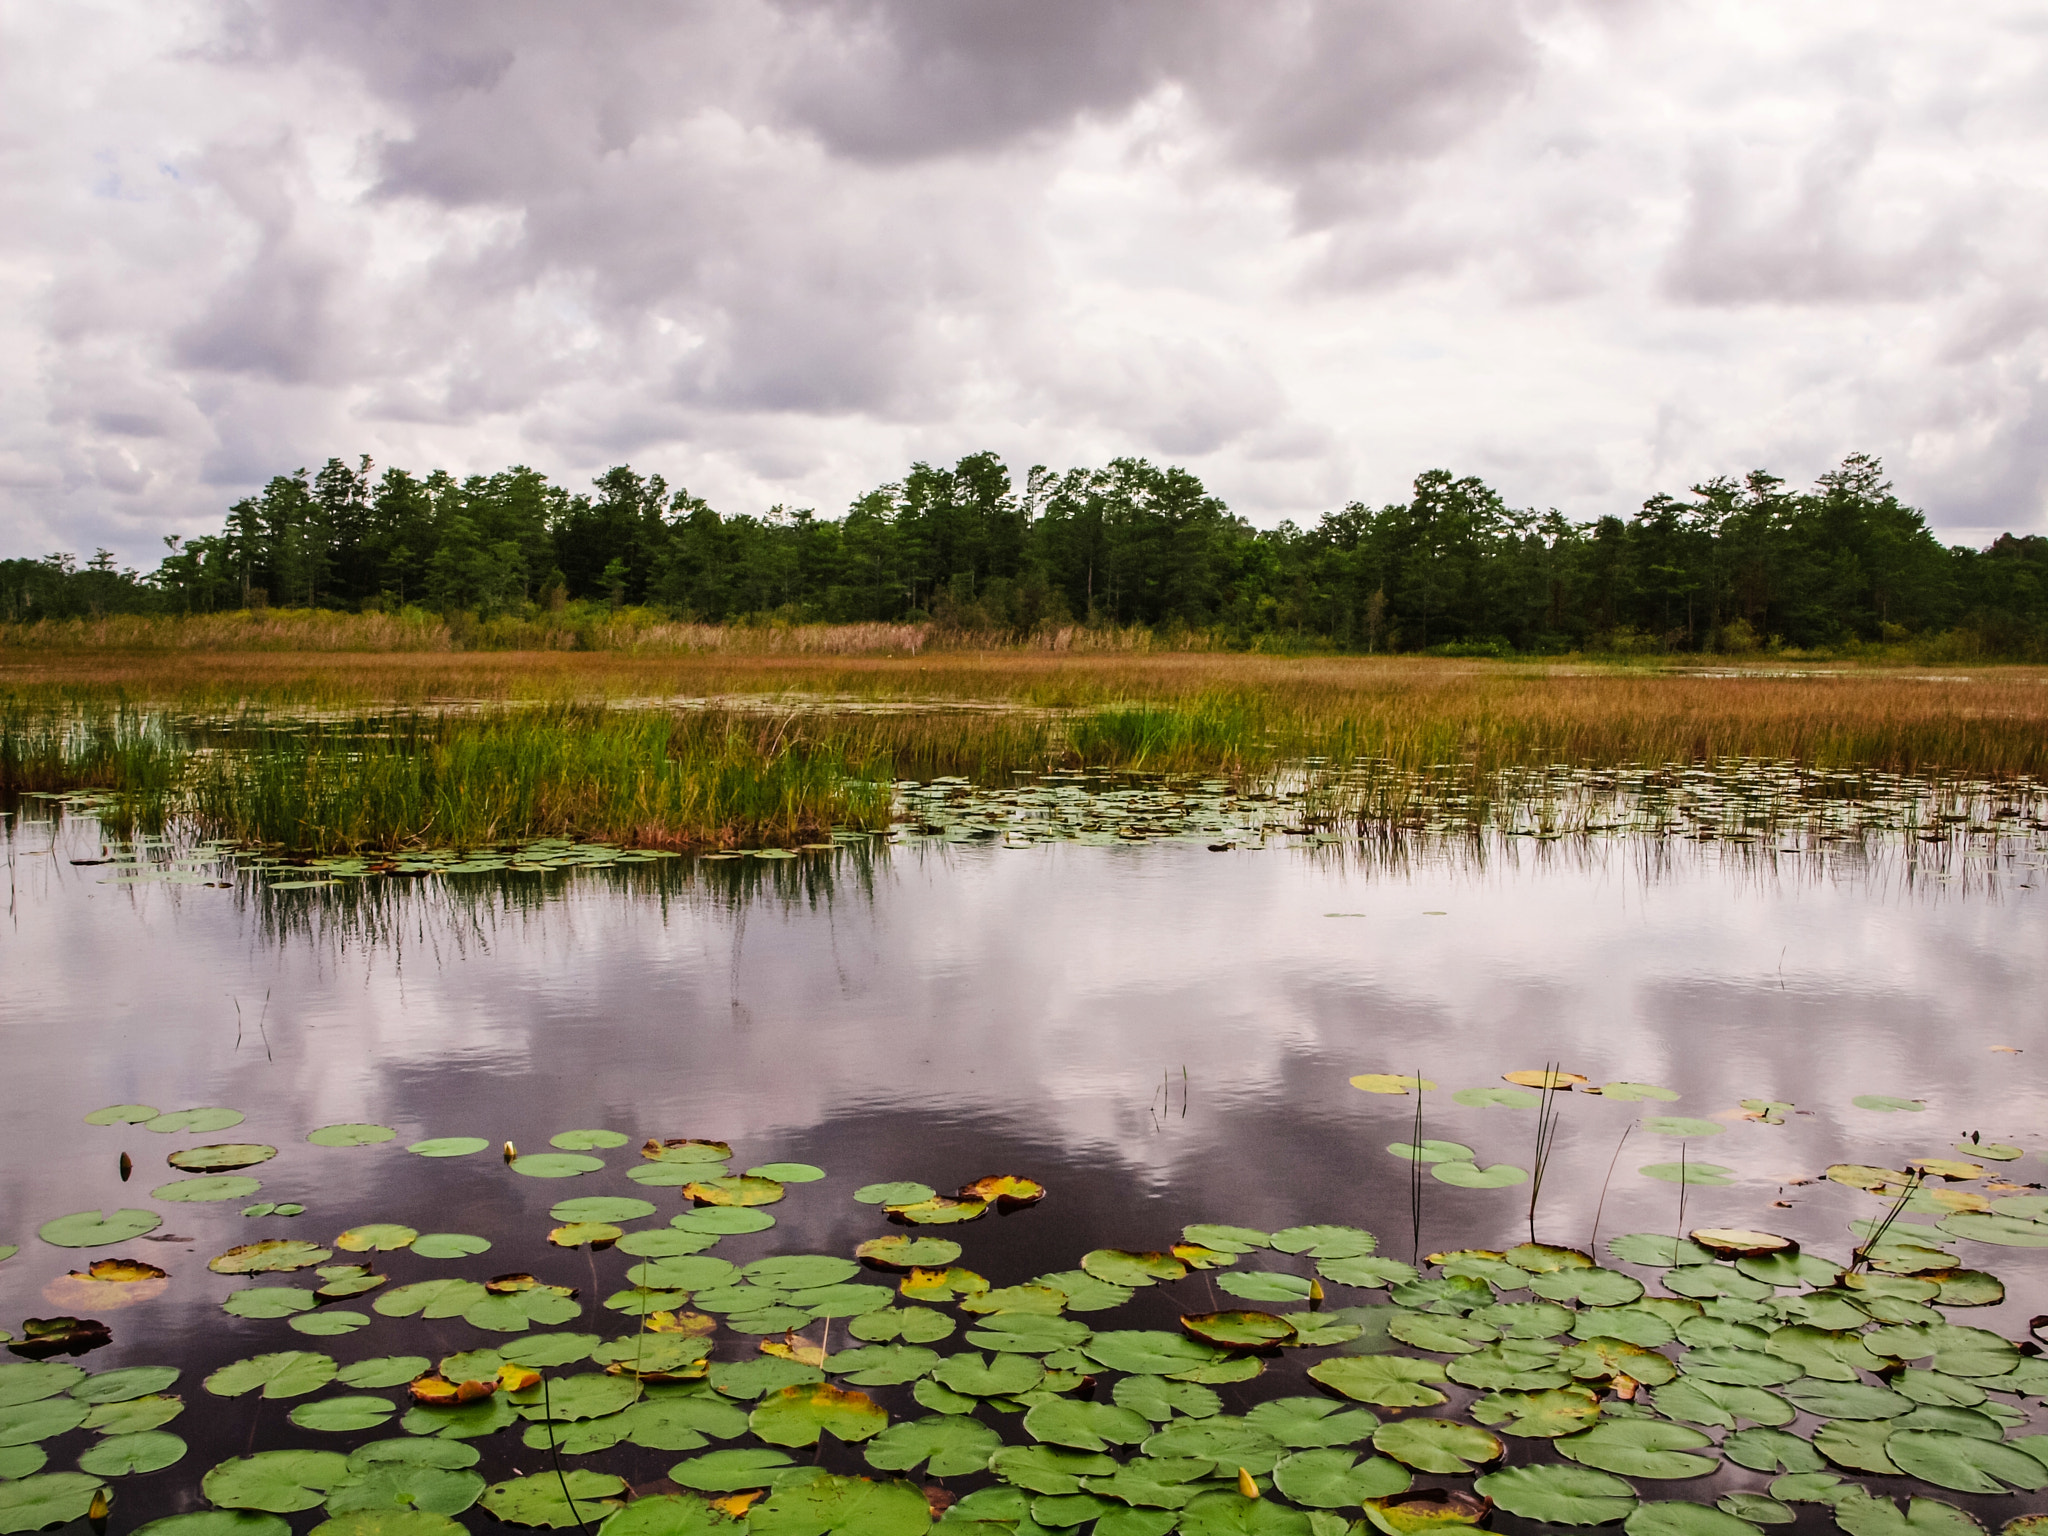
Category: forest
[1736,565]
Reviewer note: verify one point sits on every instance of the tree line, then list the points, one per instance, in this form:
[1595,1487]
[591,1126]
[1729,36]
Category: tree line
[1735,564]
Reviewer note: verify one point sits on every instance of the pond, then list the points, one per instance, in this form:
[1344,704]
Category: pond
[1160,1036]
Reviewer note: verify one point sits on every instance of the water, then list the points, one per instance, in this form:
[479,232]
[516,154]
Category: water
[1161,1035]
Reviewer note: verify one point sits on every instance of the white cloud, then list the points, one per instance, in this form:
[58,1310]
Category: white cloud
[777,248]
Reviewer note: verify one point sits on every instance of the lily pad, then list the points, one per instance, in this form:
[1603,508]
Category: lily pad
[1859,1514]
[1322,1240]
[1722,1405]
[1633,1092]
[1472,1176]
[1085,1426]
[350,1135]
[1676,1517]
[223,1157]
[1888,1103]
[98,1229]
[213,1118]
[1657,1250]
[378,1237]
[122,1385]
[1337,1479]
[1391,1083]
[555,1499]
[1770,1450]
[555,1165]
[1003,1375]
[1559,1495]
[1264,1285]
[730,1471]
[50,1498]
[1240,1329]
[1226,1239]
[1432,1151]
[121,1114]
[448,1245]
[1640,1448]
[27,1423]
[1505,1098]
[1391,1381]
[1966,1463]
[588,1141]
[1142,1352]
[343,1415]
[947,1445]
[273,1255]
[448,1146]
[1710,1174]
[220,1186]
[277,1481]
[733,1191]
[291,1373]
[903,1252]
[1442,1446]
[798,1415]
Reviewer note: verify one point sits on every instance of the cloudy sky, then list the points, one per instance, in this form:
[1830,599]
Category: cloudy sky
[778,249]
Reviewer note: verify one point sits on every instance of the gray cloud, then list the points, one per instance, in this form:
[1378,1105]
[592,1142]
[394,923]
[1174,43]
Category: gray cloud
[776,248]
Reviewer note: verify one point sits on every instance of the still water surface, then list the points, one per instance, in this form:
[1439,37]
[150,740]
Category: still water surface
[1161,1035]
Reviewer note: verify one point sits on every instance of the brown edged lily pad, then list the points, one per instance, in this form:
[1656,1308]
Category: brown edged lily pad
[1742,1242]
[1239,1330]
[1005,1191]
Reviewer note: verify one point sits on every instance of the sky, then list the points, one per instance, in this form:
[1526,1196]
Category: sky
[778,250]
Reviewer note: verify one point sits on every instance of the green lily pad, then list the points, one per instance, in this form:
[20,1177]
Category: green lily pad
[1756,1508]
[1770,1450]
[1859,1514]
[1847,1400]
[51,1498]
[1947,1347]
[555,1165]
[98,1229]
[200,1120]
[1002,1375]
[1676,1517]
[1996,1151]
[1505,1098]
[954,1445]
[555,1499]
[291,1373]
[1966,1463]
[1225,1239]
[269,1301]
[817,1503]
[1634,1092]
[217,1522]
[588,1141]
[1336,1479]
[1141,1352]
[26,1423]
[377,1237]
[1441,1333]
[746,1379]
[798,1415]
[1522,1365]
[223,1157]
[220,1186]
[121,1114]
[1822,1353]
[392,1496]
[133,1416]
[1159,1400]
[448,1146]
[1887,1103]
[1559,1495]
[385,1371]
[1740,1367]
[669,1515]
[1640,1448]
[1437,1445]
[1227,1441]
[1681,1125]
[1658,1250]
[1472,1176]
[1152,1486]
[1721,1404]
[1710,1174]
[591,1395]
[467,1421]
[734,1191]
[1593,1287]
[1085,1426]
[129,1382]
[798,1272]
[350,1135]
[449,1245]
[730,1471]
[1790,1269]
[790,1173]
[342,1415]
[1365,1273]
[1433,1151]
[1028,1333]
[1324,1241]
[277,1481]
[1263,1285]
[271,1256]
[1049,1469]
[1115,1266]
[900,1193]
[904,1252]
[1391,1381]
[328,1324]
[1856,1444]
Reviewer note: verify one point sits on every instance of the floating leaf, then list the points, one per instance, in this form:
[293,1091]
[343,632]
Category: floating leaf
[273,1255]
[1657,1250]
[1859,1514]
[1002,1375]
[685,1149]
[130,1417]
[122,1385]
[1847,1400]
[733,1191]
[587,1141]
[1770,1450]
[1640,1448]
[1953,1350]
[798,1415]
[1472,1176]
[449,1146]
[729,1471]
[1559,1495]
[1005,1191]
[98,1229]
[277,1481]
[555,1499]
[1689,1173]
[1142,1352]
[1429,1510]
[1391,1082]
[1388,1380]
[292,1373]
[349,1135]
[1337,1479]
[1541,1415]
[1505,1098]
[1964,1462]
[206,1188]
[216,1522]
[1675,1517]
[1227,1441]
[1887,1103]
[1633,1092]
[224,1157]
[1549,1078]
[1116,1266]
[448,1245]
[909,1252]
[121,1114]
[900,1193]
[1085,1426]
[555,1165]
[1437,1445]
[378,1237]
[26,1423]
[1856,1444]
[1225,1239]
[807,1506]
[1757,1508]
[52,1498]
[1722,1405]
[343,1415]
[201,1120]
[955,1445]
[269,1301]
[1432,1151]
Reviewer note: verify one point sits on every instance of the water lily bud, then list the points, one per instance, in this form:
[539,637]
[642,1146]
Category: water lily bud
[1245,1485]
[127,1167]
[1315,1294]
[510,1151]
